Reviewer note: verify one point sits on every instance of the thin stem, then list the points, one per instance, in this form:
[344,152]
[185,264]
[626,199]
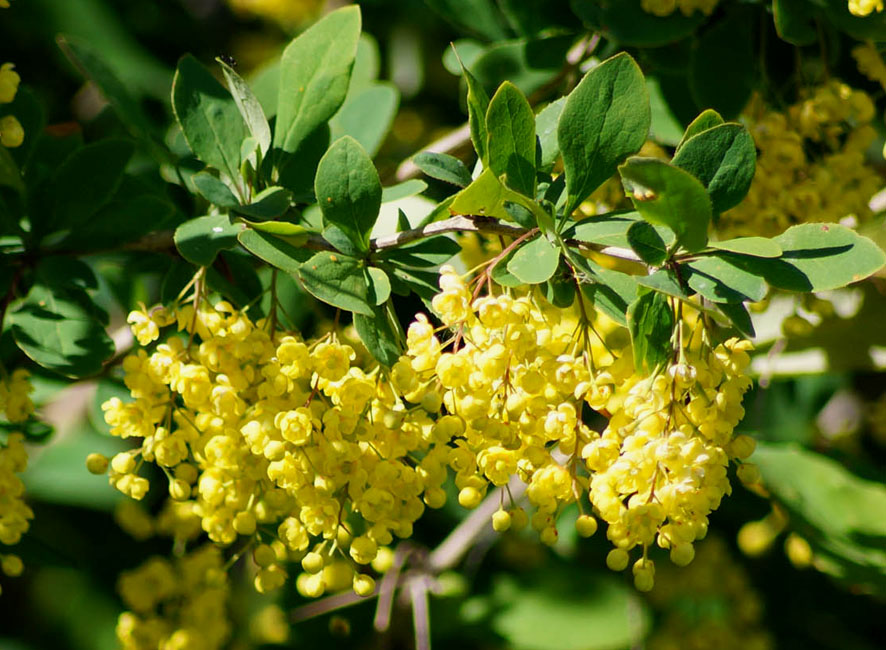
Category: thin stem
[421,619]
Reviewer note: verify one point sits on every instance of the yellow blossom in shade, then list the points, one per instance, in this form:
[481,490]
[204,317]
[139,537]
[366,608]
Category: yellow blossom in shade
[9,81]
[865,7]
[11,133]
[686,7]
[4,4]
[870,62]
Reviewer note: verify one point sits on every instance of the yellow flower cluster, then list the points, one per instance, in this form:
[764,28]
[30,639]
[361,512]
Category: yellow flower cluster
[261,430]
[11,132]
[870,62]
[865,7]
[660,466]
[288,13]
[708,605]
[811,164]
[175,605]
[686,7]
[512,382]
[15,406]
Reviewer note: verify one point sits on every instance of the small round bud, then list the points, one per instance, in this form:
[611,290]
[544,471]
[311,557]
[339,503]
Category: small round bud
[244,523]
[742,447]
[364,585]
[12,565]
[748,473]
[549,535]
[682,554]
[501,521]
[617,559]
[519,519]
[431,402]
[586,525]
[179,489]
[97,463]
[313,562]
[264,555]
[798,550]
[470,497]
[435,498]
[123,463]
[187,473]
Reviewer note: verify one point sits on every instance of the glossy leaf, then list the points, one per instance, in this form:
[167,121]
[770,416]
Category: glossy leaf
[367,116]
[275,251]
[348,191]
[719,280]
[249,107]
[752,246]
[214,190]
[270,203]
[651,324]
[379,285]
[208,116]
[378,336]
[315,71]
[57,328]
[200,240]
[647,243]
[605,119]
[546,123]
[666,195]
[819,257]
[433,251]
[535,261]
[511,139]
[443,167]
[724,159]
[338,280]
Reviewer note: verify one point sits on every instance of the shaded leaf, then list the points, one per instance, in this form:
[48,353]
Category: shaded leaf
[200,240]
[249,107]
[274,250]
[443,167]
[337,280]
[651,323]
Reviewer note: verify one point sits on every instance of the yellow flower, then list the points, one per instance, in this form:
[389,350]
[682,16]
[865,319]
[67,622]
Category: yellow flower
[9,81]
[11,132]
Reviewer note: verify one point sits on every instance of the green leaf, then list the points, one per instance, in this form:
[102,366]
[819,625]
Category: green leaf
[718,280]
[473,16]
[273,250]
[511,139]
[819,257]
[722,69]
[92,65]
[10,175]
[651,323]
[870,27]
[665,281]
[348,191]
[422,283]
[443,167]
[752,246]
[214,190]
[378,336]
[484,197]
[315,71]
[738,315]
[66,272]
[58,329]
[609,291]
[606,230]
[270,203]
[249,107]
[200,240]
[647,243]
[87,180]
[795,21]
[567,610]
[842,516]
[535,261]
[627,23]
[707,119]
[666,195]
[724,159]
[665,128]
[367,116]
[605,119]
[403,190]
[379,285]
[208,116]
[433,251]
[478,104]
[338,280]
[559,292]
[546,123]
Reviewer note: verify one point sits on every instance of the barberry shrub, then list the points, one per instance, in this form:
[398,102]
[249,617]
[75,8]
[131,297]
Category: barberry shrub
[311,358]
